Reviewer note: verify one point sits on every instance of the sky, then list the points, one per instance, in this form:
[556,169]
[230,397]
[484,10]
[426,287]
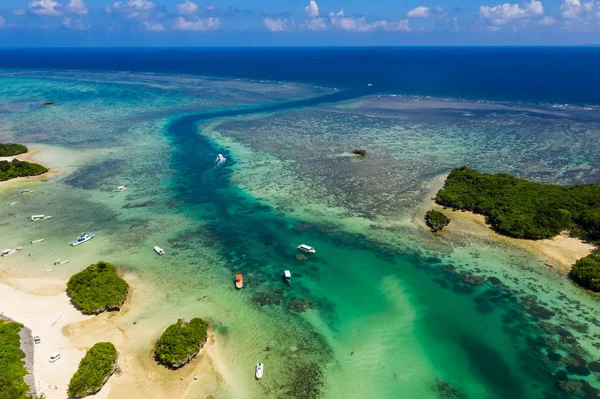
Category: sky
[43,23]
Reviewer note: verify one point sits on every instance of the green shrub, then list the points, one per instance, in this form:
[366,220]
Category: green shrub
[9,149]
[436,220]
[16,168]
[94,369]
[586,272]
[524,209]
[180,342]
[97,288]
[12,366]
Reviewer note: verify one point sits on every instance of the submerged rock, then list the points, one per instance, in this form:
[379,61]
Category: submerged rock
[446,390]
[473,279]
[301,305]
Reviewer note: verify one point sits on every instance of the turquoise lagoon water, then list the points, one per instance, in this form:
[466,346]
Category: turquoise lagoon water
[383,309]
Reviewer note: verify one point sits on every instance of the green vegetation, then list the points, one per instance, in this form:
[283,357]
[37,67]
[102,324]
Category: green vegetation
[97,288]
[12,366]
[523,209]
[586,272]
[97,365]
[436,220]
[181,342]
[9,149]
[16,168]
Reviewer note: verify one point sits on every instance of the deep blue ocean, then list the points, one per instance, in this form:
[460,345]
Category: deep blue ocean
[530,74]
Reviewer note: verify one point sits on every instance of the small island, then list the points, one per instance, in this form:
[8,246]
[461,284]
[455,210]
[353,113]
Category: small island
[523,209]
[436,220]
[16,168]
[181,342]
[586,272]
[12,366]
[98,288]
[98,364]
[11,149]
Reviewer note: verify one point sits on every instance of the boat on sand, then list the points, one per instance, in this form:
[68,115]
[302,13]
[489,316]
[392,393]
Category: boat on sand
[239,281]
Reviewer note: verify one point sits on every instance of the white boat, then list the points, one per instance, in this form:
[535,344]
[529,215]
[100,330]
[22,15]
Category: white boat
[84,237]
[48,270]
[220,159]
[8,252]
[26,191]
[121,188]
[37,241]
[259,371]
[12,203]
[370,84]
[306,248]
[287,276]
[159,250]
[40,217]
[61,262]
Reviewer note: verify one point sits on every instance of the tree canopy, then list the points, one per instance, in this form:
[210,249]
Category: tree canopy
[12,366]
[16,168]
[97,288]
[181,342]
[436,220]
[94,369]
[10,149]
[586,272]
[524,209]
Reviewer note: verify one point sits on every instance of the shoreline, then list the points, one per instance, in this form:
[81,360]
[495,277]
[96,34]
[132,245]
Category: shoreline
[561,251]
[30,156]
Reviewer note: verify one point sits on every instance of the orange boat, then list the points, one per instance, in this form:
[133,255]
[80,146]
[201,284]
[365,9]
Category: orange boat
[239,281]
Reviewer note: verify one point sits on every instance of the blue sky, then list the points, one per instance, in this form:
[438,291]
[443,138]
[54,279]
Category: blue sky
[297,22]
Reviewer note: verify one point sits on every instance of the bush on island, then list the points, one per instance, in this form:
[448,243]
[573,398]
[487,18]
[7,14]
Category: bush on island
[12,366]
[98,364]
[16,168]
[586,272]
[524,209]
[97,288]
[436,220]
[181,342]
[10,149]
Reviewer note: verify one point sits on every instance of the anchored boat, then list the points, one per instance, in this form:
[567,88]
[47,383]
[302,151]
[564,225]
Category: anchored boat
[121,188]
[84,237]
[40,217]
[26,191]
[159,250]
[8,252]
[306,248]
[259,371]
[61,262]
[37,241]
[239,281]
[287,276]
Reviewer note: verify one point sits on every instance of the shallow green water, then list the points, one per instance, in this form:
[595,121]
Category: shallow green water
[393,314]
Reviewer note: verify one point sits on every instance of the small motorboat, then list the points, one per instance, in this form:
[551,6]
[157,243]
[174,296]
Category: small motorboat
[46,103]
[84,237]
[548,264]
[259,371]
[37,241]
[287,276]
[40,217]
[61,262]
[369,84]
[121,188]
[220,159]
[8,252]
[239,281]
[12,203]
[159,250]
[26,191]
[306,248]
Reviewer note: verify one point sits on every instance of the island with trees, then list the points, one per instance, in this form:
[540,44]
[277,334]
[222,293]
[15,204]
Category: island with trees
[12,365]
[10,149]
[16,168]
[98,364]
[97,288]
[436,220]
[181,342]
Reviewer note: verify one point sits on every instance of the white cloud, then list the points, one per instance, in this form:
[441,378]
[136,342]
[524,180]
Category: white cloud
[133,8]
[44,7]
[317,24]
[312,9]
[547,21]
[2,21]
[197,24]
[154,26]
[419,12]
[187,8]
[275,25]
[501,14]
[339,20]
[19,11]
[75,24]
[77,7]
